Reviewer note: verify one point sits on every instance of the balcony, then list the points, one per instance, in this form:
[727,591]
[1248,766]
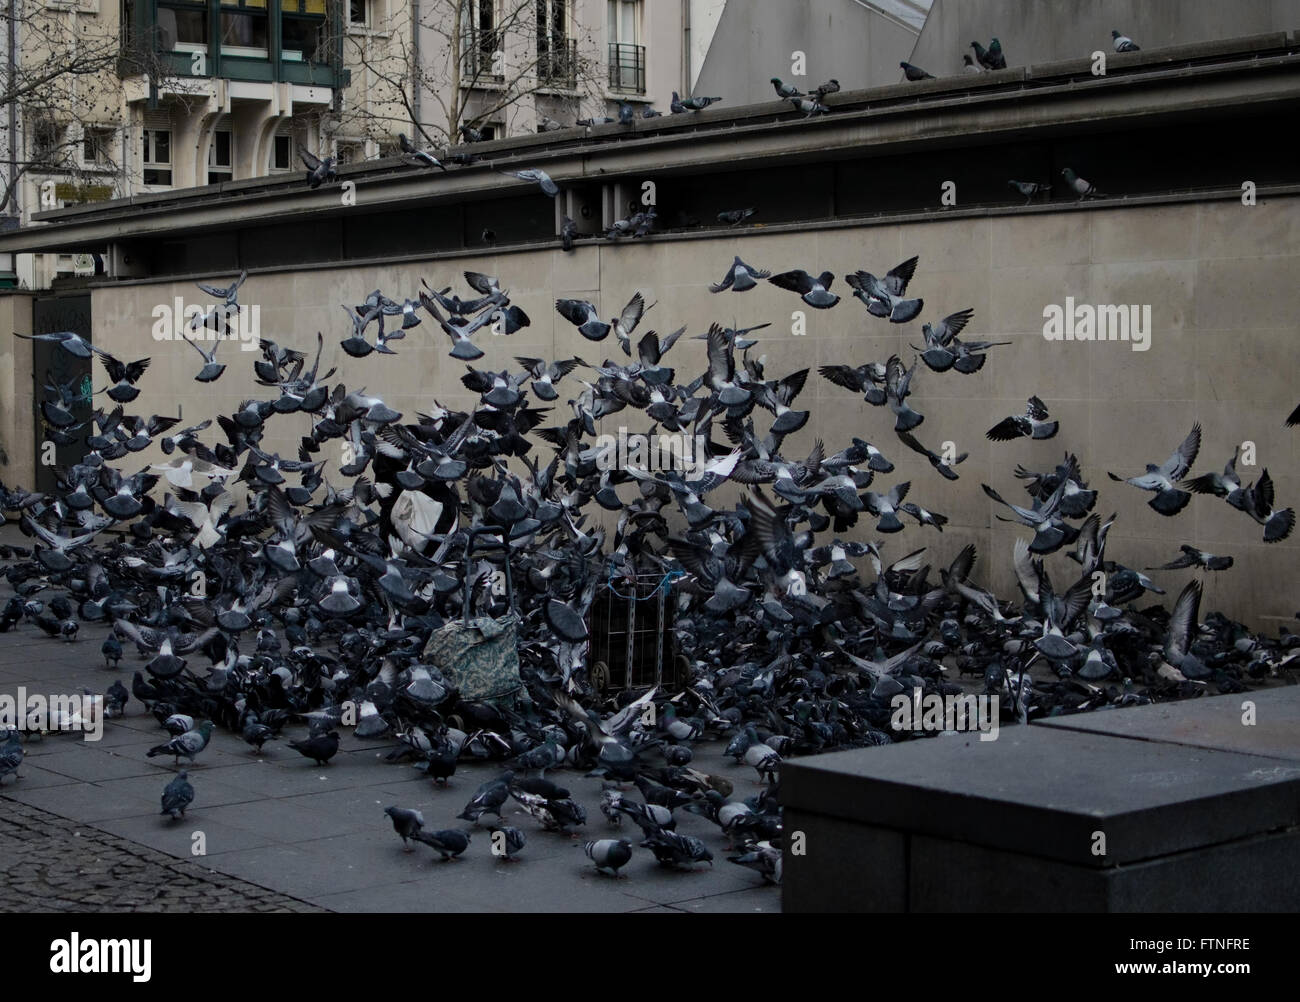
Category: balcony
[557,63]
[483,58]
[233,40]
[627,68]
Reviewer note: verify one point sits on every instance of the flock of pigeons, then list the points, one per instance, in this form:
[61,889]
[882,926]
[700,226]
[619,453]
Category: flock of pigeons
[263,594]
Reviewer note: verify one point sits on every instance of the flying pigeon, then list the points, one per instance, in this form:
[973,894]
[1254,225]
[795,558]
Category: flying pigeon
[1033,423]
[1162,479]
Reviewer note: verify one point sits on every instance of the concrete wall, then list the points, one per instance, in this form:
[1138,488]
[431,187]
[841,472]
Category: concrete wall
[17,436]
[1037,31]
[1218,276]
[754,40]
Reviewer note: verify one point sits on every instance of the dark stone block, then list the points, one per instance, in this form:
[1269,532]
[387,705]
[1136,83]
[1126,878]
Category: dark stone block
[1209,722]
[1045,791]
[847,867]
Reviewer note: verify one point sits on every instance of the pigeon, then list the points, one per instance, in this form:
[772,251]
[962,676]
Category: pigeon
[320,748]
[813,291]
[1162,480]
[417,155]
[568,231]
[1123,43]
[538,177]
[831,86]
[740,277]
[970,66]
[449,843]
[124,375]
[406,823]
[809,106]
[115,700]
[1084,189]
[1033,423]
[212,369]
[671,849]
[898,383]
[74,344]
[318,171]
[189,743]
[609,854]
[990,58]
[11,755]
[177,795]
[1031,189]
[507,841]
[785,91]
[734,217]
[1192,557]
[471,134]
[884,297]
[763,859]
[488,798]
[583,316]
[678,106]
[112,651]
[941,464]
[914,73]
[1293,419]
[1257,502]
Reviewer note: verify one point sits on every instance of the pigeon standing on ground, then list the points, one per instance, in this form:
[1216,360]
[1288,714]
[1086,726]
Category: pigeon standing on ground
[609,854]
[11,755]
[320,748]
[178,795]
[915,73]
[406,823]
[785,91]
[1031,189]
[188,744]
[449,842]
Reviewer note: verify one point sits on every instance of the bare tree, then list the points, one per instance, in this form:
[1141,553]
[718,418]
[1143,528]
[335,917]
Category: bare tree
[477,61]
[60,94]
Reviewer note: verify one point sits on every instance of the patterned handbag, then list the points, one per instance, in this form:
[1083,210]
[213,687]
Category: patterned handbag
[480,656]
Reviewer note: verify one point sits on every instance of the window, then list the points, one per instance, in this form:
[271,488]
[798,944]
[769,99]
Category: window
[557,54]
[358,13]
[625,21]
[482,41]
[220,159]
[350,151]
[282,153]
[47,139]
[183,26]
[302,26]
[157,157]
[243,28]
[97,147]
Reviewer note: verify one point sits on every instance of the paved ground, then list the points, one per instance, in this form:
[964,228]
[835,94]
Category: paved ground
[283,833]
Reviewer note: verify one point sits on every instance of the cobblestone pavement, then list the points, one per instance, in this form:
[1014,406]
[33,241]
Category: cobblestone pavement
[50,864]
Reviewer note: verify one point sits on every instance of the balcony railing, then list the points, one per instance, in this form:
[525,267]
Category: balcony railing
[483,56]
[557,63]
[627,67]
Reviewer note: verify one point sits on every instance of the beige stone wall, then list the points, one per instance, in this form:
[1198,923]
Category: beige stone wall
[16,414]
[1219,278]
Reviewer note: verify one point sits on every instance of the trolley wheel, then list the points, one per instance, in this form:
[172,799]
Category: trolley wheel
[600,676]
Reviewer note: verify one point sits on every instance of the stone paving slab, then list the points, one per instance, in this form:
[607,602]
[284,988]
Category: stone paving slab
[48,864]
[1209,722]
[318,833]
